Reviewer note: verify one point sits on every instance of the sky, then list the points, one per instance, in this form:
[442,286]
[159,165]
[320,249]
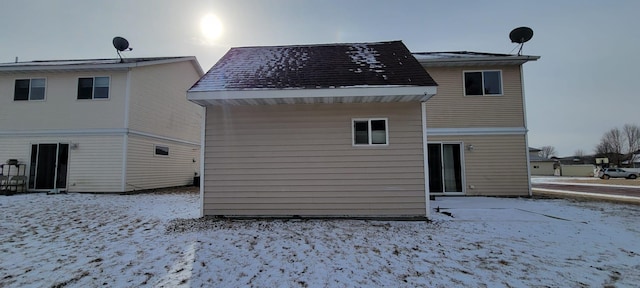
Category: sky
[581,87]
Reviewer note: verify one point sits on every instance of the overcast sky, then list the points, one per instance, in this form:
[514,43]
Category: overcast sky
[580,88]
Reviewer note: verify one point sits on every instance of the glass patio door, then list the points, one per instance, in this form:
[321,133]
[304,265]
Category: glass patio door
[445,168]
[48,168]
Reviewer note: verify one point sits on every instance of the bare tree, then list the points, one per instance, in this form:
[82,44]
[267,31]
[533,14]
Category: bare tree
[547,151]
[632,135]
[620,145]
[579,153]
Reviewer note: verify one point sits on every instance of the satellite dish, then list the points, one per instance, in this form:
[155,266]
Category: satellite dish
[521,35]
[121,44]
[518,35]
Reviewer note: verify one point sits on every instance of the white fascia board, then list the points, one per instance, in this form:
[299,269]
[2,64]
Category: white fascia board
[477,131]
[73,68]
[100,66]
[311,93]
[494,60]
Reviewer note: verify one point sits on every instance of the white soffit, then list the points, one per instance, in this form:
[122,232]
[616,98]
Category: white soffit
[312,96]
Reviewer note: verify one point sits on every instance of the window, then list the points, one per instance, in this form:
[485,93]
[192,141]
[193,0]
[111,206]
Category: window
[483,83]
[161,150]
[29,89]
[93,88]
[370,132]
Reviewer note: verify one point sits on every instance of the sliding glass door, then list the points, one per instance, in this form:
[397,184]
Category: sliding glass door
[48,166]
[445,168]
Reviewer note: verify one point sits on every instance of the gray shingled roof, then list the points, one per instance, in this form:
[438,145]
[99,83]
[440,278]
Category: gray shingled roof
[93,64]
[315,66]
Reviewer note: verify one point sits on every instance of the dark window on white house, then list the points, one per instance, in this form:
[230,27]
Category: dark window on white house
[29,89]
[161,150]
[93,88]
[370,132]
[479,83]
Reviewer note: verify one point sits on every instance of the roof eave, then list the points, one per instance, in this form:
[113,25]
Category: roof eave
[101,66]
[494,60]
[309,96]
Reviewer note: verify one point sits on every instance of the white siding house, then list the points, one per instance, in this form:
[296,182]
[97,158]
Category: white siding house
[101,125]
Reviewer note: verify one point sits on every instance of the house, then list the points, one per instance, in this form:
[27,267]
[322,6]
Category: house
[355,130]
[104,125]
[476,124]
[540,166]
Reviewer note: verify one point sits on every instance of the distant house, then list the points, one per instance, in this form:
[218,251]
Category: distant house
[541,166]
[355,129]
[101,125]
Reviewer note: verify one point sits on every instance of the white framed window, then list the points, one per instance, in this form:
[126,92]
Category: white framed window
[483,83]
[161,150]
[93,87]
[370,131]
[32,89]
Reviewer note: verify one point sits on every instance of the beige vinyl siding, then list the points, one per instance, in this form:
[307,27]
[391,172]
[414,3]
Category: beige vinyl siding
[449,108]
[496,166]
[158,101]
[61,109]
[95,166]
[145,170]
[299,160]
[542,168]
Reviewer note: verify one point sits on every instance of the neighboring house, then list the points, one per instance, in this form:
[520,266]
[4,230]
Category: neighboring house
[346,130]
[476,124]
[102,125]
[540,166]
[576,160]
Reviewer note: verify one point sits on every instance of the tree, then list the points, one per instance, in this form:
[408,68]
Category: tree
[547,151]
[579,153]
[632,135]
[619,145]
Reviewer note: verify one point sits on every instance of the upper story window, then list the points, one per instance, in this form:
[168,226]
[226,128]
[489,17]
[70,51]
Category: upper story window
[93,88]
[29,89]
[479,83]
[372,131]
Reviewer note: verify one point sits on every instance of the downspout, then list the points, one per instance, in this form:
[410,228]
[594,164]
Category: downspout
[423,106]
[526,132]
[125,138]
[203,125]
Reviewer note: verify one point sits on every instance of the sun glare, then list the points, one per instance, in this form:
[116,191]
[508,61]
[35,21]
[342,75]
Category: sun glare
[211,27]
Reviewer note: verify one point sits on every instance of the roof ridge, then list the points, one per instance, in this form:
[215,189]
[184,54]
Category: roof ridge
[321,44]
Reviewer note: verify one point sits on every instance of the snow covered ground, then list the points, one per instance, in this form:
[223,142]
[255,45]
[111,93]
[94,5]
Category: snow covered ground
[152,240]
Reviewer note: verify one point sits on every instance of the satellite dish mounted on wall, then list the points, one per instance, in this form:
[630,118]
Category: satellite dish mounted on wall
[121,44]
[521,35]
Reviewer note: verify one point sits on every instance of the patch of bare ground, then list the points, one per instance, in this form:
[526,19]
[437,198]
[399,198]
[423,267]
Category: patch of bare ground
[168,190]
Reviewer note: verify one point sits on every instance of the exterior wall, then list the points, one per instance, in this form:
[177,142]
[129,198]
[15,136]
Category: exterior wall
[145,170]
[497,165]
[61,110]
[586,170]
[299,160]
[539,168]
[451,109]
[95,166]
[158,101]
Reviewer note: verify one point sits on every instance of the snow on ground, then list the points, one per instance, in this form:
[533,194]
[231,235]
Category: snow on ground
[153,240]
